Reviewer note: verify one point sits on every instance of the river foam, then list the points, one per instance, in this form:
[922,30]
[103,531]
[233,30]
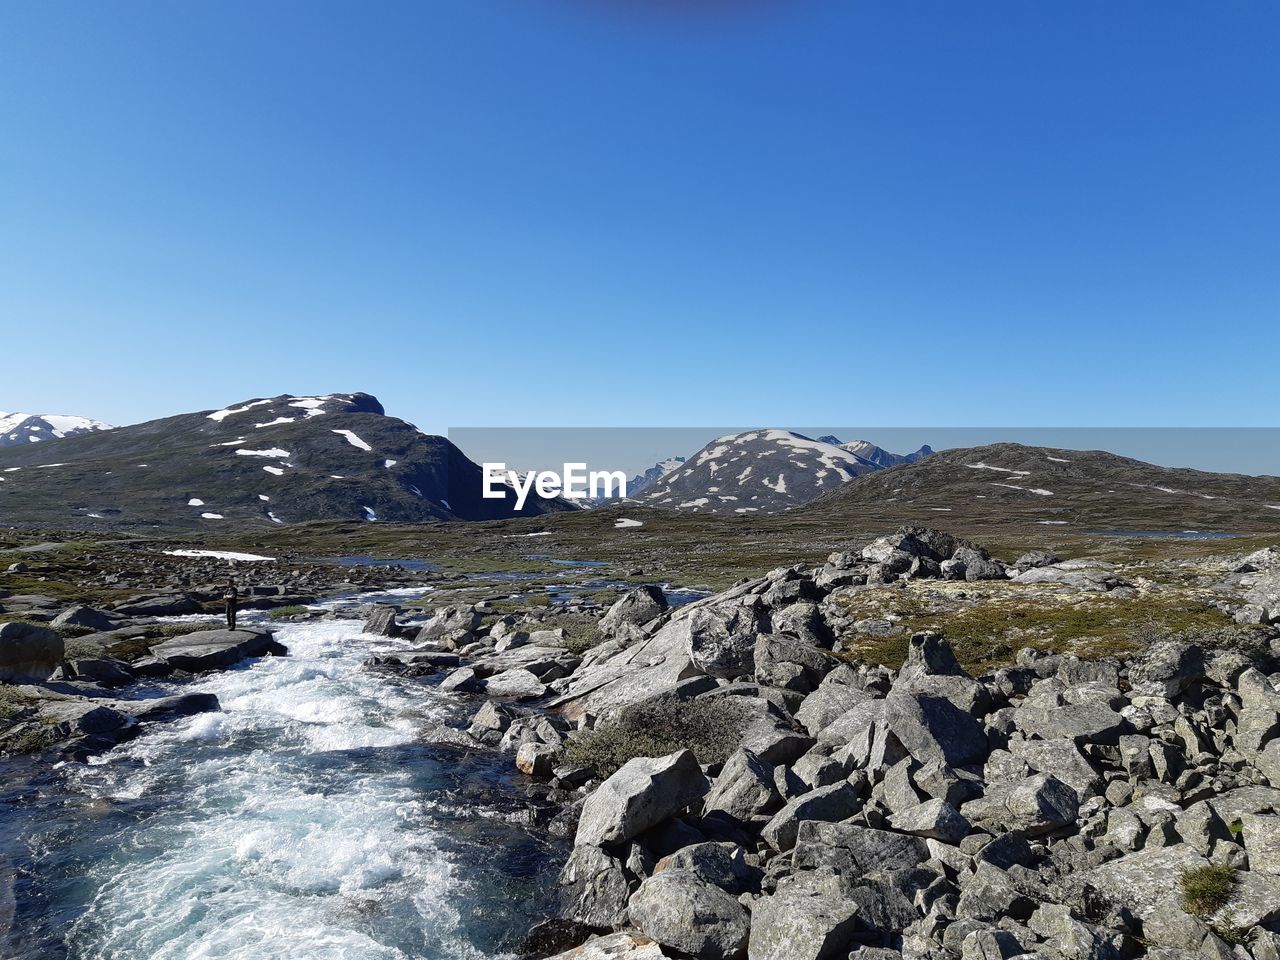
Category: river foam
[304,821]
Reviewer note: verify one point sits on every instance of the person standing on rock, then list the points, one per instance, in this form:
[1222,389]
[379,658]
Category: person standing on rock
[232,596]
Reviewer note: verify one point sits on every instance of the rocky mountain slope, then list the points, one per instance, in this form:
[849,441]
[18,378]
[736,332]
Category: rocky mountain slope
[643,481]
[875,456]
[276,460]
[760,471]
[1009,482]
[23,428]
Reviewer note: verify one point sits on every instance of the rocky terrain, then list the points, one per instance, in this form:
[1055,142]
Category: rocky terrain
[18,429]
[742,779]
[259,463]
[918,747]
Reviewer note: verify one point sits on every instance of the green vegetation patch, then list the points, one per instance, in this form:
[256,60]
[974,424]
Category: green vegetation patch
[12,700]
[77,649]
[282,613]
[987,631]
[580,633]
[1206,890]
[712,729]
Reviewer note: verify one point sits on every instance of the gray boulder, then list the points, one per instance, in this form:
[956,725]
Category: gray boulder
[447,620]
[216,649]
[103,670]
[935,819]
[969,564]
[1166,669]
[1057,719]
[1062,759]
[28,653]
[593,888]
[854,850]
[679,909]
[803,620]
[627,945]
[381,620]
[1036,558]
[1264,597]
[640,795]
[744,788]
[83,617]
[721,864]
[783,661]
[1071,938]
[720,639]
[519,684]
[800,925]
[1259,720]
[635,608]
[934,728]
[828,703]
[159,605]
[1143,881]
[830,804]
[1261,835]
[1035,805]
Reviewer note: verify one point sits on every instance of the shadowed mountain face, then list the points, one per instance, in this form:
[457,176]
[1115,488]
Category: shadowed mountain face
[1084,489]
[269,461]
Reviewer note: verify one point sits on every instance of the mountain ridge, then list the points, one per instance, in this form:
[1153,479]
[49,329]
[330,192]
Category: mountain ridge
[265,461]
[1057,487]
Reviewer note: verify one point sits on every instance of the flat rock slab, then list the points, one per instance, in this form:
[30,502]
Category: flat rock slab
[164,709]
[615,946]
[1144,880]
[216,649]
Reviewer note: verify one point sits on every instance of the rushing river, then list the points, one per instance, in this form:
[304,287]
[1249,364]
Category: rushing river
[304,821]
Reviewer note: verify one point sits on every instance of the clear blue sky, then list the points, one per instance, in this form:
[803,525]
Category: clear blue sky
[537,212]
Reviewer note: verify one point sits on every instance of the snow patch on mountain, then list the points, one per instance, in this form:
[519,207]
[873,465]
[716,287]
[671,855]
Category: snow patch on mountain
[354,440]
[21,428]
[774,468]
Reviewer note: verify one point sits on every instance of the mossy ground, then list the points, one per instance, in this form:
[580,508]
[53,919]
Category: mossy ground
[283,613]
[712,729]
[988,624]
[12,700]
[1206,890]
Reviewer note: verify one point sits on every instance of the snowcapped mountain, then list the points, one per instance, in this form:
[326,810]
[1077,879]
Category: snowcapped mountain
[764,471]
[875,456]
[275,460]
[20,428]
[643,481]
[760,471]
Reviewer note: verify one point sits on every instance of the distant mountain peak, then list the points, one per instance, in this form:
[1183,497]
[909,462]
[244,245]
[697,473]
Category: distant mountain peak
[764,471]
[23,428]
[643,481]
[275,460]
[304,407]
[756,471]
